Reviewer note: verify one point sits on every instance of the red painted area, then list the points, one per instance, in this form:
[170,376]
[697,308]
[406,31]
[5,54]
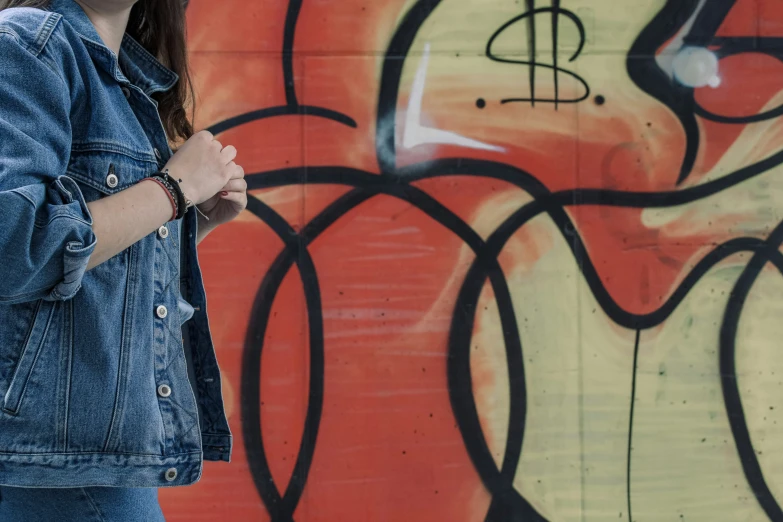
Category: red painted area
[742,20]
[748,82]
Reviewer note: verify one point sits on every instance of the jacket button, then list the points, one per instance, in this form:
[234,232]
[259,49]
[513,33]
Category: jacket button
[126,92]
[157,153]
[164,390]
[112,180]
[162,311]
[163,232]
[171,474]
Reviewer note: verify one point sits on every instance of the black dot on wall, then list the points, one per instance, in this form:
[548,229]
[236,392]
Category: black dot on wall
[481,103]
[600,100]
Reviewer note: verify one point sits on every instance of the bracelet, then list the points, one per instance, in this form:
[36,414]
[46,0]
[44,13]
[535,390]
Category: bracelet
[169,187]
[173,193]
[169,193]
[178,199]
[183,203]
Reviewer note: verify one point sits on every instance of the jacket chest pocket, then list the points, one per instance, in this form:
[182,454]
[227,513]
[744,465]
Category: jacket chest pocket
[105,172]
[32,345]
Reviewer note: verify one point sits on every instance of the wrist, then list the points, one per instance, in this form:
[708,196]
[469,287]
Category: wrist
[169,196]
[182,202]
[184,186]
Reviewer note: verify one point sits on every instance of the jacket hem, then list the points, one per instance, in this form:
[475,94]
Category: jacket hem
[216,446]
[69,470]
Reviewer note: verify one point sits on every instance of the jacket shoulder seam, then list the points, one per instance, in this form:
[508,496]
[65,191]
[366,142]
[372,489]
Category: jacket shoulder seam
[42,32]
[45,32]
[41,41]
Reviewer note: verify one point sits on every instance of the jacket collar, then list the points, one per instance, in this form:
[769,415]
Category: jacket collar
[139,66]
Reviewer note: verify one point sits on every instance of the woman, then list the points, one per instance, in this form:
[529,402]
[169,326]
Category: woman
[103,398]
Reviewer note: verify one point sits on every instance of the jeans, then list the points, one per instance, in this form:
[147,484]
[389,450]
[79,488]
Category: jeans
[90,504]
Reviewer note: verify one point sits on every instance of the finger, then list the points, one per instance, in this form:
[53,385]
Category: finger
[207,136]
[237,197]
[235,184]
[228,153]
[235,171]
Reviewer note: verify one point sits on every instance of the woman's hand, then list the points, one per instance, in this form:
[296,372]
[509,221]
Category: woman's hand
[202,165]
[209,177]
[226,204]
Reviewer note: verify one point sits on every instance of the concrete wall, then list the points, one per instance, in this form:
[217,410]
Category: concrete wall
[504,260]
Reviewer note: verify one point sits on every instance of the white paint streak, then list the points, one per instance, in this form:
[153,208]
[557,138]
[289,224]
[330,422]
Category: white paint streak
[696,67]
[401,231]
[417,134]
[666,58]
[692,66]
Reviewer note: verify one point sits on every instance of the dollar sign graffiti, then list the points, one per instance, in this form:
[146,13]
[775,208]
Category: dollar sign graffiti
[556,12]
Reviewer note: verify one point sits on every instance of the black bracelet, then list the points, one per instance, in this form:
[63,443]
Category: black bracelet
[182,202]
[186,203]
[180,197]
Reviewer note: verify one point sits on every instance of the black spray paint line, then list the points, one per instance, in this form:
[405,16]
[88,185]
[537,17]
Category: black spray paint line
[391,78]
[553,204]
[251,368]
[292,106]
[728,374]
[464,404]
[282,508]
[532,62]
[289,32]
[282,110]
[531,31]
[630,424]
[644,71]
[725,47]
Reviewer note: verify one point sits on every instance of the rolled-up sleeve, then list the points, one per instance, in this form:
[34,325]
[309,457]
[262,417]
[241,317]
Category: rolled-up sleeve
[46,235]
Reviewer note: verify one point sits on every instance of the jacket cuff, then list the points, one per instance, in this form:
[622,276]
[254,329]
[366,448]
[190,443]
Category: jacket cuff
[216,447]
[77,253]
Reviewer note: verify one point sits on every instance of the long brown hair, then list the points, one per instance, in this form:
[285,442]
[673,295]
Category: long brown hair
[159,26]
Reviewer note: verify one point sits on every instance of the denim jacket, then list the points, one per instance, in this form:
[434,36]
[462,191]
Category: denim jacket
[94,384]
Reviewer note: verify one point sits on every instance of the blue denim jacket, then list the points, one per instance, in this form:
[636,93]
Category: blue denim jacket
[94,386]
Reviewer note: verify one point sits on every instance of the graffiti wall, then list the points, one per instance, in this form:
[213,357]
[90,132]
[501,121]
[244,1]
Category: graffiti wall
[504,260]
